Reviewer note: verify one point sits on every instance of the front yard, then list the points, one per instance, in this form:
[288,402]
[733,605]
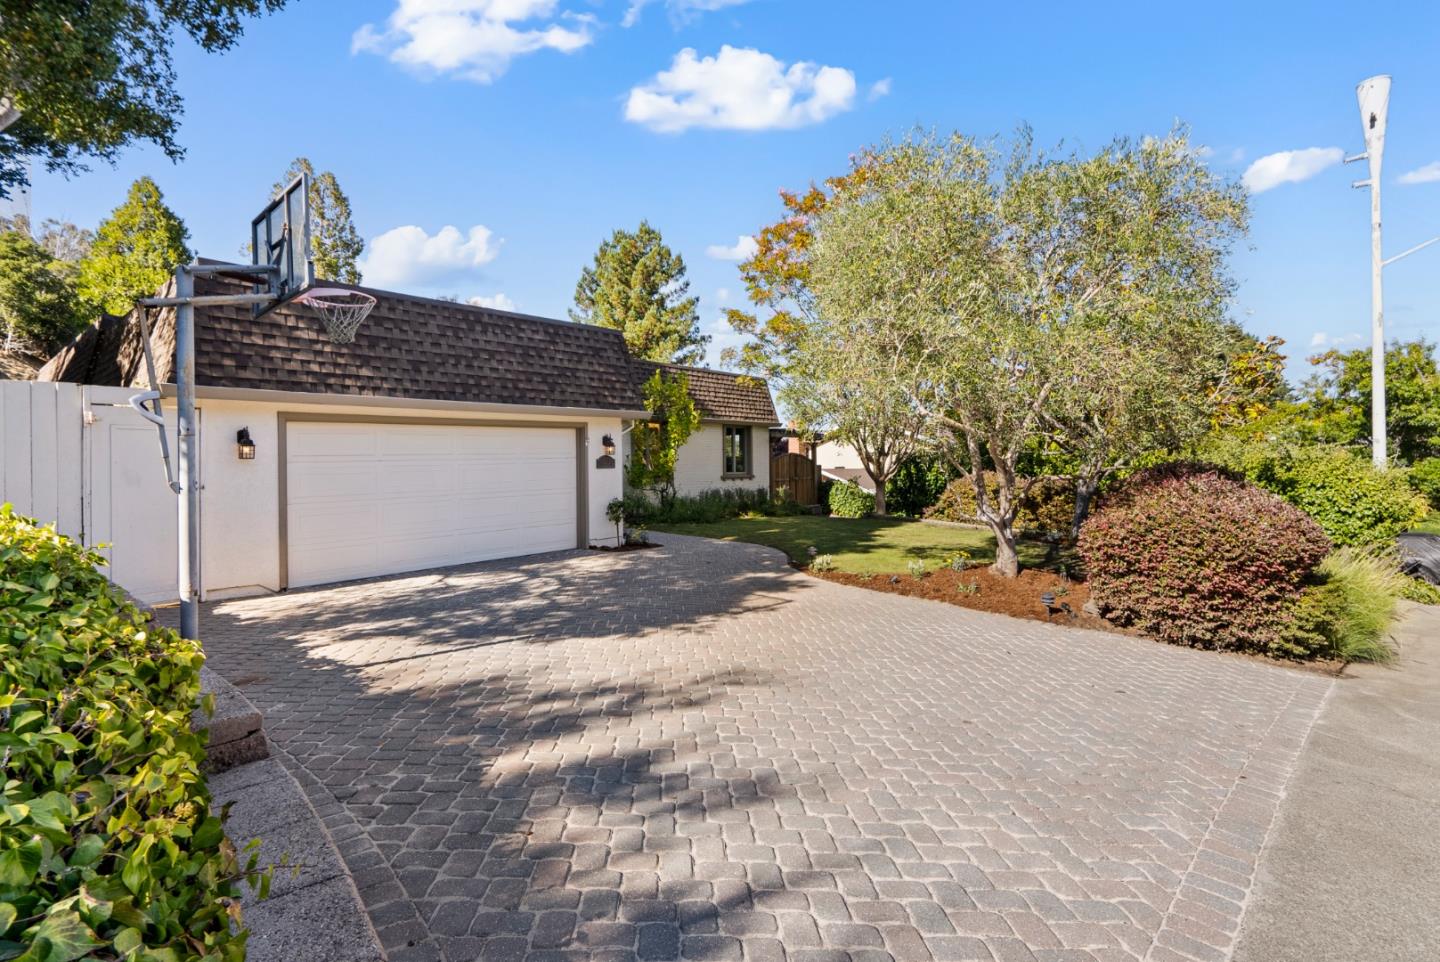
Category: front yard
[865,546]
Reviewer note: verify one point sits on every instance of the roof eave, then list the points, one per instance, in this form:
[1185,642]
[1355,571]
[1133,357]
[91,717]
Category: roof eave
[204,392]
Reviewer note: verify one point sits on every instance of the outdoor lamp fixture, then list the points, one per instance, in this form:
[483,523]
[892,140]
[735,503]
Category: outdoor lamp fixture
[244,446]
[608,443]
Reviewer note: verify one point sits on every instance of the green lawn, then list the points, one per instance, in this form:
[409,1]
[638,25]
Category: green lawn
[1430,525]
[864,546]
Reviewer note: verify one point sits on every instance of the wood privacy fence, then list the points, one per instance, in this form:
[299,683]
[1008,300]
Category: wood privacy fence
[796,474]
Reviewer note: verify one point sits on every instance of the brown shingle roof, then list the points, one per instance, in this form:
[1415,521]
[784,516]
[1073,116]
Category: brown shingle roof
[720,395]
[409,347]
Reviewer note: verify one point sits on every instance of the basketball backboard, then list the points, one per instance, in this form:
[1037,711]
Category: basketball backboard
[280,237]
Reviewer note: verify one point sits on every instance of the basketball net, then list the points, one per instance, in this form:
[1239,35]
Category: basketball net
[342,310]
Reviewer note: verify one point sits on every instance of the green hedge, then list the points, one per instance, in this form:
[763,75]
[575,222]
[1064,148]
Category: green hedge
[1425,480]
[107,845]
[916,485]
[850,500]
[707,507]
[1351,501]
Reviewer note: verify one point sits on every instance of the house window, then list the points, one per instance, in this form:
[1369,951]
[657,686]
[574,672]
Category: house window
[737,449]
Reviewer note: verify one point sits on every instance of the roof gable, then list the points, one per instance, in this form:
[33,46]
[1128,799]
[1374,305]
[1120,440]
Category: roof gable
[720,395]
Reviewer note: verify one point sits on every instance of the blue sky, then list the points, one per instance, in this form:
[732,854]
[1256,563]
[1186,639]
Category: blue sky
[535,127]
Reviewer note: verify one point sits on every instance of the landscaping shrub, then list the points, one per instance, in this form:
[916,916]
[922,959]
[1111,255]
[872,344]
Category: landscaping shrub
[707,507]
[1191,554]
[1351,501]
[107,845]
[1348,609]
[1048,506]
[916,485]
[1425,480]
[850,500]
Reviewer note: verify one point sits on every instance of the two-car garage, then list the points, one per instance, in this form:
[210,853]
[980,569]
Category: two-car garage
[362,498]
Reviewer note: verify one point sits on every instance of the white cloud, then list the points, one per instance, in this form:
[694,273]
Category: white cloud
[680,10]
[880,88]
[473,39]
[497,301]
[722,295]
[409,256]
[739,89]
[1323,339]
[743,249]
[1289,166]
[1428,174]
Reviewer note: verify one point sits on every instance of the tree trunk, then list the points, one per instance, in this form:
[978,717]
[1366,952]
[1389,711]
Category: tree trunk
[879,498]
[1085,489]
[1007,561]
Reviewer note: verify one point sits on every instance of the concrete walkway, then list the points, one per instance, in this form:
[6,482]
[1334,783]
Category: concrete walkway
[1352,873]
[697,752]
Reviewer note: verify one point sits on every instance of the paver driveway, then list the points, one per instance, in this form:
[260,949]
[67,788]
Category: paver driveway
[697,752]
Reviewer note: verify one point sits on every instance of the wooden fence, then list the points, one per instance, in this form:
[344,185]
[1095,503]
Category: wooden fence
[796,474]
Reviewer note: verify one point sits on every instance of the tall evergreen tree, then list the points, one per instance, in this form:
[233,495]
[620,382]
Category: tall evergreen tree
[135,250]
[335,245]
[637,286]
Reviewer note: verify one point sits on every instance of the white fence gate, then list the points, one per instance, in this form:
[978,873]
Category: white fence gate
[79,456]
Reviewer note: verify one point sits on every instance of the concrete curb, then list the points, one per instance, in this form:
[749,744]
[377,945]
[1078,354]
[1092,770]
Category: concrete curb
[237,735]
[313,910]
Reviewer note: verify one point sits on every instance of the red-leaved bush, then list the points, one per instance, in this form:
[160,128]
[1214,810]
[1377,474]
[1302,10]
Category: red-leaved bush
[1192,555]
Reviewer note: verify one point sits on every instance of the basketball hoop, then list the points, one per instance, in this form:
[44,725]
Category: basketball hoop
[341,309]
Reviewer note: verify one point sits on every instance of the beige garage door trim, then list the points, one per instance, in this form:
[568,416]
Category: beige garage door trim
[286,418]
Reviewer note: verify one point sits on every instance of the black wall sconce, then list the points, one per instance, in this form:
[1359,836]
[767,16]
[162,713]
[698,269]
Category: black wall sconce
[608,443]
[244,446]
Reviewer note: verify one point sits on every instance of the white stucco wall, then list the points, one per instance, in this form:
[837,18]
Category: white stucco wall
[240,500]
[833,454]
[700,464]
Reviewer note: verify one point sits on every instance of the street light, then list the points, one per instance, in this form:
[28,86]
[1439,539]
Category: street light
[1373,96]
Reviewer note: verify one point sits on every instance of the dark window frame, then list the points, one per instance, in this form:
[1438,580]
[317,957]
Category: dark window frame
[733,463]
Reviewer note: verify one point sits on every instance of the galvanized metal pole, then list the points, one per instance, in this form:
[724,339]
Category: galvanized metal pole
[189,455]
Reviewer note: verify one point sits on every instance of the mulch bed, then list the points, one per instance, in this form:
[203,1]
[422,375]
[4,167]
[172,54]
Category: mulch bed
[1018,597]
[632,546]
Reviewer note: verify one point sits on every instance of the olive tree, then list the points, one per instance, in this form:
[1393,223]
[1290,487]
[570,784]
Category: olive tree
[1010,293]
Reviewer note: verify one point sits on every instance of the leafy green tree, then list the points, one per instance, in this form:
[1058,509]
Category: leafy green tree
[637,286]
[335,244]
[39,309]
[88,78]
[1008,295]
[655,445]
[1338,399]
[64,241]
[828,377]
[135,251]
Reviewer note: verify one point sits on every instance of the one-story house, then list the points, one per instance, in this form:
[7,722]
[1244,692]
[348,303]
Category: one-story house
[731,448]
[445,433]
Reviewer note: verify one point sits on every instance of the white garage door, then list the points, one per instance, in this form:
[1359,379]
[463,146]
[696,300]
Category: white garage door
[375,499]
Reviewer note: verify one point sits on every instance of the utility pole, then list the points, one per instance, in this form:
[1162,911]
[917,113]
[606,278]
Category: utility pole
[1374,99]
[1373,96]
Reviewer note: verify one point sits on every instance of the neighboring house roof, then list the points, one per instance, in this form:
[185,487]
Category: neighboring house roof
[16,367]
[409,347]
[720,395]
[858,476]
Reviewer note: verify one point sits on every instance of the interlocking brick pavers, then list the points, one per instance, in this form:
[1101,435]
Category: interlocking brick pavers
[697,752]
